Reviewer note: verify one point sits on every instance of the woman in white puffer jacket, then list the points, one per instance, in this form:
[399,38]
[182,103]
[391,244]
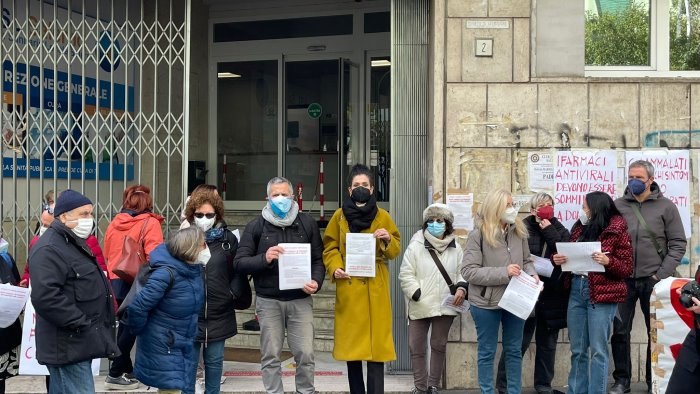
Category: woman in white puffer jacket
[425,287]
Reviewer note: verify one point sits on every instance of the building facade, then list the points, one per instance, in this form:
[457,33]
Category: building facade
[436,96]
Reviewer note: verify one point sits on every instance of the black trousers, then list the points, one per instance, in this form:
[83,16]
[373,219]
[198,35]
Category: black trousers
[546,349]
[125,340]
[375,377]
[686,373]
[637,289]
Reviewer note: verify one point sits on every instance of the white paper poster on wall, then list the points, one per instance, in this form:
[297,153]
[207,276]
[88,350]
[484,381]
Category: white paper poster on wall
[577,173]
[461,207]
[28,364]
[540,170]
[672,174]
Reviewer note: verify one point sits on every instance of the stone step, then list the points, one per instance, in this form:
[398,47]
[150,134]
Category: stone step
[323,301]
[322,319]
[323,341]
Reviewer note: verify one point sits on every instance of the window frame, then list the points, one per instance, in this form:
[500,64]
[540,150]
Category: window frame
[659,50]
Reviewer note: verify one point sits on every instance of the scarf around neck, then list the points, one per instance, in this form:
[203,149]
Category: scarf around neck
[439,244]
[360,218]
[286,221]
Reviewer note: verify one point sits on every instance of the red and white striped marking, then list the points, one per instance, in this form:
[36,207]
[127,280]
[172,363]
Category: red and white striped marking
[300,198]
[321,198]
[223,183]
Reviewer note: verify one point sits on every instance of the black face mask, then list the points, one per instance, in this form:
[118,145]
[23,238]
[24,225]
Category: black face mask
[360,194]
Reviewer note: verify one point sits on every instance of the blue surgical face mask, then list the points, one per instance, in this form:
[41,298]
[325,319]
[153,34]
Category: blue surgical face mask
[3,245]
[636,186]
[436,229]
[280,205]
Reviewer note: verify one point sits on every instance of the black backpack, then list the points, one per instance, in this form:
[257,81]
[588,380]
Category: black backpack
[140,281]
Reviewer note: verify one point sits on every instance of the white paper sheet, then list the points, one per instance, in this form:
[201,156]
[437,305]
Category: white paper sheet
[360,256]
[521,295]
[579,256]
[448,303]
[543,266]
[12,301]
[294,266]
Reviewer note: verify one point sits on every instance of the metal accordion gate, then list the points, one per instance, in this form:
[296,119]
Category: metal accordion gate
[94,99]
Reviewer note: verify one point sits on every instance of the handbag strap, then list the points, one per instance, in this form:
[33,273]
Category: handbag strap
[652,234]
[440,267]
[142,242]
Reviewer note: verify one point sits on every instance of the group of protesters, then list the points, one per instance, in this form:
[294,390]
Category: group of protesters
[185,310]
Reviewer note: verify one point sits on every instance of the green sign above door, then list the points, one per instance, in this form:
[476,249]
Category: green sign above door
[315,110]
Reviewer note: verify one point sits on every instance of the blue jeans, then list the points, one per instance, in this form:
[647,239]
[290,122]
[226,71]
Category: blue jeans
[213,365]
[487,323]
[590,327]
[72,378]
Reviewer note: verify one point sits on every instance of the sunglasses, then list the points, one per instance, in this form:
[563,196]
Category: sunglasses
[200,215]
[48,209]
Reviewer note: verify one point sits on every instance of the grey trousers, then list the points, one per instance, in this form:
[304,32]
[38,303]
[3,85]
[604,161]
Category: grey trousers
[297,316]
[417,343]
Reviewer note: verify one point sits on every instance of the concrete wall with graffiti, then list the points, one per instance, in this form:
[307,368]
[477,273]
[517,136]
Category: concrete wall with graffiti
[490,111]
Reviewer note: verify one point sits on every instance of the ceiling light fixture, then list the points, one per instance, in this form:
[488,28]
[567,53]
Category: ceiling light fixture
[381,63]
[227,74]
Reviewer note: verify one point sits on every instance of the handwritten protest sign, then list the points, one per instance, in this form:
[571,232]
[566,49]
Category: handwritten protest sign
[28,364]
[672,174]
[578,173]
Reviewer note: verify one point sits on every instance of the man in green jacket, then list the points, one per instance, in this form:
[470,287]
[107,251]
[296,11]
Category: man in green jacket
[658,243]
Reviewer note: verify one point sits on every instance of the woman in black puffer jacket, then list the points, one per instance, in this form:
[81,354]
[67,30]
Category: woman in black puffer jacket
[544,231]
[217,319]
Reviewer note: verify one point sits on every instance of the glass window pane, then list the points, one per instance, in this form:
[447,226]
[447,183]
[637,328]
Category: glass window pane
[617,32]
[318,26]
[380,125]
[312,128]
[377,22]
[247,127]
[685,34]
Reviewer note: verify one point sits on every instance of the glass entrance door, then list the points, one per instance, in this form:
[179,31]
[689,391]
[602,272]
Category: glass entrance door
[282,116]
[312,110]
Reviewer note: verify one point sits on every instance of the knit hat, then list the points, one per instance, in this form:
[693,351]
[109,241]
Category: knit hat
[440,211]
[68,200]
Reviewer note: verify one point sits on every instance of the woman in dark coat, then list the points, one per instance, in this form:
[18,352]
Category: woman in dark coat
[544,231]
[163,314]
[217,319]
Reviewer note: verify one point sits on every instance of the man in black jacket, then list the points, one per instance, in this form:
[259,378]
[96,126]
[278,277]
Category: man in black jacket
[258,254]
[73,300]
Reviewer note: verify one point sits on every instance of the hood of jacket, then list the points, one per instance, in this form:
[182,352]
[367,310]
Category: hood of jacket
[124,221]
[160,257]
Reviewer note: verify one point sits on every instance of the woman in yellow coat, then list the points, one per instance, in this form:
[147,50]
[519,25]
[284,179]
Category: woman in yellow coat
[362,304]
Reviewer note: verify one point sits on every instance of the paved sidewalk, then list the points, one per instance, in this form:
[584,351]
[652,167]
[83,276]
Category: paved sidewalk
[331,378]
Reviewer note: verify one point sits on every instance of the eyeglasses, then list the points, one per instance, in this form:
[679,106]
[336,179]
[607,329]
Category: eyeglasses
[200,215]
[48,209]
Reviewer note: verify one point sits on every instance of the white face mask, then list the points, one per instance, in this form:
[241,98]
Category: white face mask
[203,223]
[84,227]
[42,230]
[583,217]
[509,215]
[204,256]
